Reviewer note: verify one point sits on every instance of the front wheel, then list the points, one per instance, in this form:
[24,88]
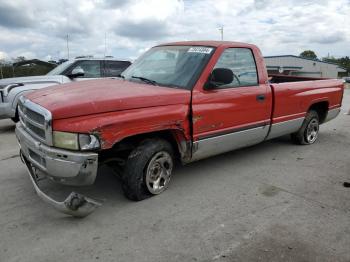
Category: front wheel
[148,169]
[308,133]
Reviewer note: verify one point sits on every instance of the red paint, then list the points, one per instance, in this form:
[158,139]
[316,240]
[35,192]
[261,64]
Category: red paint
[109,95]
[292,100]
[116,109]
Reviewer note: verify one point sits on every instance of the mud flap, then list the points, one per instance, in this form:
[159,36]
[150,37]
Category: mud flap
[75,204]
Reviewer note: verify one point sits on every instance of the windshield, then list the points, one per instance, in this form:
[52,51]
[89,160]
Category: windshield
[58,70]
[172,66]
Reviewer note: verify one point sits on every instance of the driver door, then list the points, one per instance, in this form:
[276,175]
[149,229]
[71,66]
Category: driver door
[233,115]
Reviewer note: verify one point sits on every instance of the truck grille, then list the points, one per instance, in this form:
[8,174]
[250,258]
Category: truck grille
[36,120]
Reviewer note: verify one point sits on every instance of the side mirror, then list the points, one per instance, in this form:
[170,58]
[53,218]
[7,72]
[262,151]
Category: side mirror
[76,72]
[219,76]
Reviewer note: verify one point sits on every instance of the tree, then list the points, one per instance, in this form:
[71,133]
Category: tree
[308,54]
[1,65]
[19,59]
[342,62]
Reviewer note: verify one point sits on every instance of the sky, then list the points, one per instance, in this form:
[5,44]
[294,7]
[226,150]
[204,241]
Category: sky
[39,28]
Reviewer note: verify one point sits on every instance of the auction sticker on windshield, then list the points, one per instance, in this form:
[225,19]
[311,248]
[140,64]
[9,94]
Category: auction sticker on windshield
[200,49]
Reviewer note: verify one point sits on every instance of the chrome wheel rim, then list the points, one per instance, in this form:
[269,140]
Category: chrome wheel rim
[312,131]
[158,172]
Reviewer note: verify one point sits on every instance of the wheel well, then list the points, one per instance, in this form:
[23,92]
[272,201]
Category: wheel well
[322,109]
[125,146]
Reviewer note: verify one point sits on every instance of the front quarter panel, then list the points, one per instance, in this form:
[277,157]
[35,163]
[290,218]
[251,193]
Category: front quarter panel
[115,126]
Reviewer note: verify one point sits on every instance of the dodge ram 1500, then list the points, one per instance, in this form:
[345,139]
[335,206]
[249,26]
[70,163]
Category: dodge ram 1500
[179,101]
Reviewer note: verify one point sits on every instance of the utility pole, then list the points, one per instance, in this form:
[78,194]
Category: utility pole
[105,44]
[2,76]
[221,29]
[67,46]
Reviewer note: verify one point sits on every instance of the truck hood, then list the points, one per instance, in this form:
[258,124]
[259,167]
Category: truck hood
[31,80]
[104,95]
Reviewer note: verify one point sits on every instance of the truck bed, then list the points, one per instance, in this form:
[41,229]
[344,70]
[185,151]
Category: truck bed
[293,99]
[287,78]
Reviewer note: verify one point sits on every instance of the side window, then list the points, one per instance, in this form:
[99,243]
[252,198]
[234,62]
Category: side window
[92,68]
[115,68]
[241,62]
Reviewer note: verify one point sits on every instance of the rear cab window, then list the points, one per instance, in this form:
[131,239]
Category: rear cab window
[242,63]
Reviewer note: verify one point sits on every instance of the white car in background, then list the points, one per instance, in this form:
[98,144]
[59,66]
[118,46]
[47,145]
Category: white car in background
[11,89]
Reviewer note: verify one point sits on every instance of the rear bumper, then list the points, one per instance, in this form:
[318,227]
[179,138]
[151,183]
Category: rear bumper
[333,113]
[63,166]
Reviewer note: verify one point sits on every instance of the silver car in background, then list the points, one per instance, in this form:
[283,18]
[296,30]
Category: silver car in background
[11,89]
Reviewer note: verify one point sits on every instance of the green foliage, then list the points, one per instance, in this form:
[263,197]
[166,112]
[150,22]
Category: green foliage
[308,54]
[343,62]
[20,59]
[28,70]
[7,70]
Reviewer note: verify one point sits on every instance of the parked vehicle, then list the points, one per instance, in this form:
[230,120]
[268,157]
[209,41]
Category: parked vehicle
[74,70]
[179,101]
[346,79]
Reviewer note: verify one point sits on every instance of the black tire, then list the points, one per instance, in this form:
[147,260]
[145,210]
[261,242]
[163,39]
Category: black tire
[16,117]
[134,177]
[301,136]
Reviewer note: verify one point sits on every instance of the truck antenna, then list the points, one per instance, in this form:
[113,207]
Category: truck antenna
[221,29]
[105,44]
[67,46]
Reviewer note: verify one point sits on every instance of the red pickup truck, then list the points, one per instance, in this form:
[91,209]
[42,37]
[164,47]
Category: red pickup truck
[179,101]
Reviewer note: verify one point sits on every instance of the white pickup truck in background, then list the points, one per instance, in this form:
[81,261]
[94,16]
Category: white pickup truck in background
[11,89]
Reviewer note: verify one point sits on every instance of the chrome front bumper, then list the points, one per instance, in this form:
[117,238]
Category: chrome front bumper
[63,166]
[75,204]
[66,167]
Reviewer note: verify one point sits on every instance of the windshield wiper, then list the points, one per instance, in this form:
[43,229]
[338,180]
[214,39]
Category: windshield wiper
[146,80]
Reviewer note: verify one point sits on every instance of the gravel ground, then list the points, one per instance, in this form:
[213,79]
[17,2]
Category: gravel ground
[272,202]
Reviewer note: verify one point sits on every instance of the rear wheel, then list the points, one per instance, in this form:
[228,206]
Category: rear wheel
[148,169]
[308,133]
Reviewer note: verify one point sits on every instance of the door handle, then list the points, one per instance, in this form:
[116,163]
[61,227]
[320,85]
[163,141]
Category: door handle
[260,98]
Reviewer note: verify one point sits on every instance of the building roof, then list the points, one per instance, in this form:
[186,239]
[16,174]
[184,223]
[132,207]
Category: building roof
[34,61]
[304,58]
